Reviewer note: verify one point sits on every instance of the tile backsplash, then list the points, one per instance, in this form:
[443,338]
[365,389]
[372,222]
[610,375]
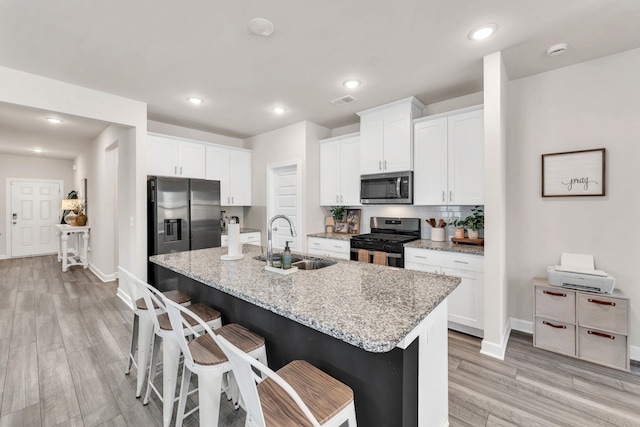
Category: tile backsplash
[448,213]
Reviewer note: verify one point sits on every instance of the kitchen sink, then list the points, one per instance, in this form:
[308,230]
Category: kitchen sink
[303,263]
[312,264]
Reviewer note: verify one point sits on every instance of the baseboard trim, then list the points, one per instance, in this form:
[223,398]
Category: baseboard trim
[124,297]
[521,325]
[3,256]
[102,276]
[497,350]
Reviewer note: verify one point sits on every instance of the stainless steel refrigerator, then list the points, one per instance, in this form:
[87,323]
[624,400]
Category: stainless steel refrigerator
[182,214]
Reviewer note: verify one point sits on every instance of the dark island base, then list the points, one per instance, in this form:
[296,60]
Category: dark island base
[385,385]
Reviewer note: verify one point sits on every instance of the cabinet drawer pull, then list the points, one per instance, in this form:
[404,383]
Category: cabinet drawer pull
[600,334]
[460,262]
[336,246]
[555,294]
[554,326]
[595,301]
[420,256]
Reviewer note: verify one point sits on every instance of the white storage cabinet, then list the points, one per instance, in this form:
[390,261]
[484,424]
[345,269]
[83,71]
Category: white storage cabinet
[340,170]
[386,136]
[176,157]
[335,248]
[586,325]
[466,302]
[449,158]
[232,167]
[252,238]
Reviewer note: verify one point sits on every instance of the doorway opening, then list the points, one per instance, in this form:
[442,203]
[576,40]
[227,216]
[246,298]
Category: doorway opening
[284,198]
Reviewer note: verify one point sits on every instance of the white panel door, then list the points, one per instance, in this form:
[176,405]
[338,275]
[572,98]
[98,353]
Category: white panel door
[240,178]
[330,173]
[218,170]
[430,162]
[285,202]
[35,209]
[350,171]
[466,159]
[397,143]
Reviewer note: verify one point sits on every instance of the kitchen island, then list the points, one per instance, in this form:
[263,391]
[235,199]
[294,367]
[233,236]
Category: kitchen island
[380,330]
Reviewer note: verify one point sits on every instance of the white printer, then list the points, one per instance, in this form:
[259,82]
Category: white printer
[577,271]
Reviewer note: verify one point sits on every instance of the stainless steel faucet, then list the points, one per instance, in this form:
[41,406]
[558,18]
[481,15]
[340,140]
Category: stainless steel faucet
[270,235]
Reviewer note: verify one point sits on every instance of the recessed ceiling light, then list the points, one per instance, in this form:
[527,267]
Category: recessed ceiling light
[557,49]
[261,27]
[54,120]
[482,32]
[195,100]
[37,150]
[351,84]
[279,110]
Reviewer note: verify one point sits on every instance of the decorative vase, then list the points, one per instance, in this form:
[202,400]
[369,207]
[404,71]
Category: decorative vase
[81,220]
[473,234]
[459,233]
[70,218]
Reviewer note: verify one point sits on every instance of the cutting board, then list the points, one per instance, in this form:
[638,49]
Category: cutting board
[465,241]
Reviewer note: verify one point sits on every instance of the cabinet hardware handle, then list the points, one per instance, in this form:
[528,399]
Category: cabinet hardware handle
[385,165]
[600,334]
[175,170]
[379,165]
[337,198]
[341,199]
[420,256]
[180,170]
[554,326]
[555,294]
[450,196]
[460,262]
[444,197]
[339,247]
[595,301]
[231,199]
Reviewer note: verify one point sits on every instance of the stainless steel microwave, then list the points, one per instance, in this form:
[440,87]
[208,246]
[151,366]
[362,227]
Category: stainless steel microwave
[387,188]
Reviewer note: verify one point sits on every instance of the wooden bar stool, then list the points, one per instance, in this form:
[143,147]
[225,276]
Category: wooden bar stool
[170,347]
[203,357]
[298,394]
[142,333]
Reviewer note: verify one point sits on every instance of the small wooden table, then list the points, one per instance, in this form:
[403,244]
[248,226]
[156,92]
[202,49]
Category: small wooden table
[71,257]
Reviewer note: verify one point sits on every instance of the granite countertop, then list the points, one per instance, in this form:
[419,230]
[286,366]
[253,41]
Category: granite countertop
[242,231]
[446,247]
[369,306]
[337,236]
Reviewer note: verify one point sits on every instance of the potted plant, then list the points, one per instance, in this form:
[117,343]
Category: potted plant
[338,213]
[459,226]
[474,222]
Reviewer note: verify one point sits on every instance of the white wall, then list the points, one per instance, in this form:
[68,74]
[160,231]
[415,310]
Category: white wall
[32,167]
[92,164]
[34,91]
[590,105]
[287,144]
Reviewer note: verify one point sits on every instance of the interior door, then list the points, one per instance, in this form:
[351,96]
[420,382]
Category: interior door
[35,210]
[284,194]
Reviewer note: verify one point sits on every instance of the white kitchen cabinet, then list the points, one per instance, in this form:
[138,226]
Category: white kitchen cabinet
[252,238]
[449,158]
[466,302]
[169,156]
[335,248]
[232,167]
[340,171]
[386,136]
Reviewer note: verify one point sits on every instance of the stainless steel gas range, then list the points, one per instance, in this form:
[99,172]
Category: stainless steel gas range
[387,235]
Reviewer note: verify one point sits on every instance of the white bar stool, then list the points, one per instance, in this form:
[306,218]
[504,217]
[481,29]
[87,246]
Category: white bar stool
[203,357]
[170,347]
[142,333]
[298,394]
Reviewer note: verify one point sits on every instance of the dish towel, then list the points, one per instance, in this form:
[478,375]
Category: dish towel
[363,255]
[380,258]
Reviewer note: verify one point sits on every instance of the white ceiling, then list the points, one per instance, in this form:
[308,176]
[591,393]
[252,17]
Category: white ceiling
[160,51]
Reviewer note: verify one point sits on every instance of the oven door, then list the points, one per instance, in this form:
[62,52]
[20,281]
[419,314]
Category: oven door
[393,259]
[387,188]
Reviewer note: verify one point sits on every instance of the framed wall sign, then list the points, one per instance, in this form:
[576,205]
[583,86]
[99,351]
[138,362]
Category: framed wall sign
[574,173]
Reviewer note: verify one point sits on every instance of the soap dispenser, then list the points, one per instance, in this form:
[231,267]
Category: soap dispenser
[286,256]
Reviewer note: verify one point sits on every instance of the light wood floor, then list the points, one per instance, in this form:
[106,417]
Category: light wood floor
[64,338]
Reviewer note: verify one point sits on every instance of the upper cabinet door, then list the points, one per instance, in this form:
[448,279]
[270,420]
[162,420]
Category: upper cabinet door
[240,178]
[163,156]
[218,170]
[466,158]
[371,148]
[397,147]
[430,161]
[330,173]
[350,171]
[191,156]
